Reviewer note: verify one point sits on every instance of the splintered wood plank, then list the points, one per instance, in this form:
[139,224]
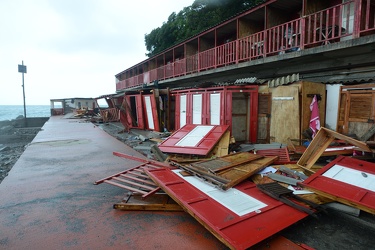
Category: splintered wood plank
[244,171]
[260,216]
[227,161]
[222,147]
[235,167]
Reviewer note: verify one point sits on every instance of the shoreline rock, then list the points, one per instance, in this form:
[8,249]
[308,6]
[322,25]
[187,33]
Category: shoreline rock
[13,142]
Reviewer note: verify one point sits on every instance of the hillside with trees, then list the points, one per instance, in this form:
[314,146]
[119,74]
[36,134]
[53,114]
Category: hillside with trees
[192,20]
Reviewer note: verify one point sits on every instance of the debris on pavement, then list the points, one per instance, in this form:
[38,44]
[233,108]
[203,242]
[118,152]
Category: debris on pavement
[201,182]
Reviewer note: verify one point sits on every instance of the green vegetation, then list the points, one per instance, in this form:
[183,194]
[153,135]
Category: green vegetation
[192,20]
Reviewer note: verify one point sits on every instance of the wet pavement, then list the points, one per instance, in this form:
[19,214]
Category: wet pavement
[48,200]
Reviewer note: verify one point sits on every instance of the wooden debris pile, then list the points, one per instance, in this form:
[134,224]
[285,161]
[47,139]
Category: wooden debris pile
[243,198]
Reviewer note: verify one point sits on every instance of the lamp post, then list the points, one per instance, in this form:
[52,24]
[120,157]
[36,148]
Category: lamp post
[22,69]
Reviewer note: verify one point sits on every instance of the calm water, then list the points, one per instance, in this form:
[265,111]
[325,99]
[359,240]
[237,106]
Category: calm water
[10,112]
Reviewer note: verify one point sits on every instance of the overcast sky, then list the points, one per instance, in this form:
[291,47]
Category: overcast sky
[73,48]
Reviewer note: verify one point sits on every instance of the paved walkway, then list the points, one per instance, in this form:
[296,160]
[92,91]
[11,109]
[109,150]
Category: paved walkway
[48,200]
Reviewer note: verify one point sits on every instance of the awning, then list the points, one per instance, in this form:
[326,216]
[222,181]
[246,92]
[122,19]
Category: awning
[283,80]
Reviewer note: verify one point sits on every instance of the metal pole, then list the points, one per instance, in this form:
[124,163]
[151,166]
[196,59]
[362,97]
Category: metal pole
[24,100]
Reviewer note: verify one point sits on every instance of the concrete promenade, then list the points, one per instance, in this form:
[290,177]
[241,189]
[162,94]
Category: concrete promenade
[48,200]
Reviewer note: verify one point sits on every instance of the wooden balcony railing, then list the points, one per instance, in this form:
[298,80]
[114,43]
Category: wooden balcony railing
[367,17]
[344,21]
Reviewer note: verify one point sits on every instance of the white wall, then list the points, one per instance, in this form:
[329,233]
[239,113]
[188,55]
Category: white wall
[332,105]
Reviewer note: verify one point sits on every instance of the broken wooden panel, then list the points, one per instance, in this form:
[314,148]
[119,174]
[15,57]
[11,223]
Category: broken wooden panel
[226,162]
[240,173]
[132,111]
[319,144]
[194,139]
[156,202]
[233,168]
[291,109]
[346,180]
[240,217]
[281,153]
[134,179]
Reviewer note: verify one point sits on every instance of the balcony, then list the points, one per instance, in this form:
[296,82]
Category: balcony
[342,22]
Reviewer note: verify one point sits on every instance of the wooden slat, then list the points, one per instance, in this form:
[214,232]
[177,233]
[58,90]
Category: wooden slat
[234,174]
[136,184]
[126,187]
[135,178]
[146,181]
[242,172]
[282,153]
[225,162]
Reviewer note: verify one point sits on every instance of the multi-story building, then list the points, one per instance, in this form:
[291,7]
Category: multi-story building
[259,71]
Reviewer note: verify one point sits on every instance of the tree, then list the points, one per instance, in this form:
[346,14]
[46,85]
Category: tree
[192,20]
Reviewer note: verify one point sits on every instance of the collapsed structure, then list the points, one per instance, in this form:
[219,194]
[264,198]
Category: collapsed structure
[260,77]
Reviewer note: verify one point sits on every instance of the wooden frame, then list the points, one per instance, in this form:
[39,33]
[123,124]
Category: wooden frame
[156,202]
[319,144]
[234,168]
[350,183]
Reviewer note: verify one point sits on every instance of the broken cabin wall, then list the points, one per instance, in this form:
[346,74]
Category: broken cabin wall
[290,112]
[356,110]
[234,106]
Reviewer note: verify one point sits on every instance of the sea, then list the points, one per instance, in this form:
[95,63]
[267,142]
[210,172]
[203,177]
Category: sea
[10,112]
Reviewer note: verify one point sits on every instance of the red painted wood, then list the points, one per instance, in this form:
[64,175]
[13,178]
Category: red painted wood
[282,153]
[342,190]
[140,115]
[154,108]
[237,232]
[203,147]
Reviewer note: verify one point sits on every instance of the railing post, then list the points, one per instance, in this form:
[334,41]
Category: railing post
[237,51]
[357,18]
[302,32]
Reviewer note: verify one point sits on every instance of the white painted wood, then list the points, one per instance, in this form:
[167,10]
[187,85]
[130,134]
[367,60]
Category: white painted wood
[194,136]
[333,94]
[182,110]
[215,107]
[150,116]
[351,176]
[233,199]
[197,109]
